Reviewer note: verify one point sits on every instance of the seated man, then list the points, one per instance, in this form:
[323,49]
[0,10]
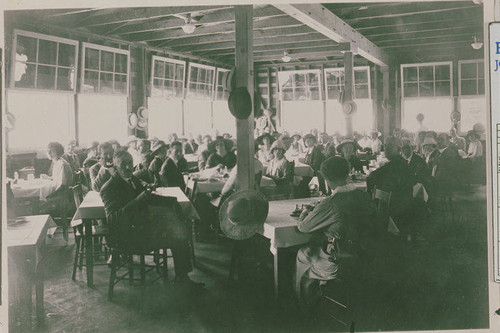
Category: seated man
[175,164]
[146,157]
[343,227]
[101,172]
[222,155]
[126,204]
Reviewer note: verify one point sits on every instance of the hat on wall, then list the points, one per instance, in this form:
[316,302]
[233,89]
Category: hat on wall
[243,214]
[240,103]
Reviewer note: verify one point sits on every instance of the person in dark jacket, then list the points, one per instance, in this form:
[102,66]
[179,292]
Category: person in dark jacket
[416,163]
[175,164]
[141,170]
[160,149]
[314,158]
[126,204]
[101,172]
[222,155]
[448,165]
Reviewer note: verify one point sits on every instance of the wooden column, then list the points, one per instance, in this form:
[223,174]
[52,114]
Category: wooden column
[374,94]
[348,88]
[244,78]
[385,101]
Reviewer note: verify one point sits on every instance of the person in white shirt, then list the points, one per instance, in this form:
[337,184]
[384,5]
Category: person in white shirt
[376,144]
[475,147]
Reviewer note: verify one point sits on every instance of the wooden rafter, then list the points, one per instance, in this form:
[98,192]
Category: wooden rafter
[324,21]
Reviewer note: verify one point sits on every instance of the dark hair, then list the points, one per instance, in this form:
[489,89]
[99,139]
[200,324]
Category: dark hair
[176,144]
[106,145]
[120,155]
[146,142]
[335,168]
[57,148]
[392,147]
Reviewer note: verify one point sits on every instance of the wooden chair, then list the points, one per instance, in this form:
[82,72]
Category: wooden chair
[98,233]
[382,199]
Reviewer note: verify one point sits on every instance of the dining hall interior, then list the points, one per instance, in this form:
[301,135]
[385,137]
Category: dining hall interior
[315,167]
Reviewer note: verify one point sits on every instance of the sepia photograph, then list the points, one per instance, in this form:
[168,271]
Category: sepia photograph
[249,167]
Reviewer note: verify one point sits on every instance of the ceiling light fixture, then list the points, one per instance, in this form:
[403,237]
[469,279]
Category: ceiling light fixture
[477,2]
[188,27]
[286,57]
[476,45]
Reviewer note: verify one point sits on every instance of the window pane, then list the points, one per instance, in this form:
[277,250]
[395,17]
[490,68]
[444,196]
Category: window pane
[409,74]
[179,89]
[90,81]
[361,76]
[106,83]
[47,52]
[194,74]
[302,94]
[333,77]
[426,73]
[179,72]
[121,63]
[169,71]
[91,59]
[300,80]
[315,93]
[313,79]
[27,78]
[46,78]
[202,75]
[426,88]
[468,71]
[480,86]
[361,91]
[120,83]
[443,88]
[107,60]
[468,87]
[287,95]
[410,90]
[66,55]
[159,68]
[333,92]
[442,72]
[65,79]
[157,87]
[26,46]
[480,69]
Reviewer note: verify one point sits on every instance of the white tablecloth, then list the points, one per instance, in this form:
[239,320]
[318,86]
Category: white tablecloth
[38,187]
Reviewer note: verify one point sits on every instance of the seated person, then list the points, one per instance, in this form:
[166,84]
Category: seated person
[146,157]
[160,150]
[92,155]
[376,144]
[347,149]
[343,228]
[416,163]
[475,150]
[279,169]
[230,185]
[101,172]
[173,167]
[396,177]
[222,155]
[72,157]
[264,153]
[314,158]
[431,154]
[296,147]
[202,159]
[206,144]
[448,164]
[126,204]
[116,145]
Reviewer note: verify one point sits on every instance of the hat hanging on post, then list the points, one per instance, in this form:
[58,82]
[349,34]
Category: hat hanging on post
[349,107]
[240,103]
[132,120]
[243,214]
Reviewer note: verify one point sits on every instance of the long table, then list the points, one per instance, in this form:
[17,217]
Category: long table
[92,208]
[25,239]
[35,188]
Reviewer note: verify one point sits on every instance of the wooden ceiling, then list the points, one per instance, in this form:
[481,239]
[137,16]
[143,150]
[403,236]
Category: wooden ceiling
[406,32]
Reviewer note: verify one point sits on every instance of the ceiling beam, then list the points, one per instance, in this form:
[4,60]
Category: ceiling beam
[266,24]
[471,29]
[141,14]
[324,21]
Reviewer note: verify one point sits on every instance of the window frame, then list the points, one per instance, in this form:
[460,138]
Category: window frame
[478,67]
[300,71]
[50,38]
[191,64]
[341,86]
[217,85]
[173,61]
[86,45]
[426,64]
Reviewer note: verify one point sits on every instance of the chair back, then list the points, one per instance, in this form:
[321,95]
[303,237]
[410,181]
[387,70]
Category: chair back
[77,194]
[190,190]
[382,199]
[258,178]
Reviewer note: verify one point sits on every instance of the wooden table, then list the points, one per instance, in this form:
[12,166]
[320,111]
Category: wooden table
[25,239]
[92,208]
[216,184]
[38,188]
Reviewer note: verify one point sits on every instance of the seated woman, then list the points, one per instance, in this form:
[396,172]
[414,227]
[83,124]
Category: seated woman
[347,149]
[206,144]
[342,226]
[296,147]
[279,169]
[171,171]
[264,153]
[314,158]
[222,156]
[59,200]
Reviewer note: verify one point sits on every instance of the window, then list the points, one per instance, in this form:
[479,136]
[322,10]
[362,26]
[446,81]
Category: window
[426,80]
[105,69]
[220,92]
[44,62]
[471,77]
[167,77]
[200,81]
[301,85]
[335,82]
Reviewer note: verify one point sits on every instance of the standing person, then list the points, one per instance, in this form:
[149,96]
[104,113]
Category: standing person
[173,167]
[431,154]
[101,172]
[314,158]
[127,213]
[265,123]
[343,229]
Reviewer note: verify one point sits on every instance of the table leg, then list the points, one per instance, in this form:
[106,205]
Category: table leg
[40,310]
[25,289]
[89,252]
[276,253]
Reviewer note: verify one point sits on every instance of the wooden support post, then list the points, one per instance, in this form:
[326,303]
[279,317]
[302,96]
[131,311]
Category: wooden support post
[385,101]
[244,78]
[397,100]
[374,90]
[349,88]
[277,100]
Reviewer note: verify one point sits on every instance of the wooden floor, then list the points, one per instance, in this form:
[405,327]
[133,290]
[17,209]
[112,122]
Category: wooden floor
[439,283]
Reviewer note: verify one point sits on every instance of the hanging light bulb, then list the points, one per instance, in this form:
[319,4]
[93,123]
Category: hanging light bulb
[286,57]
[188,27]
[476,45]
